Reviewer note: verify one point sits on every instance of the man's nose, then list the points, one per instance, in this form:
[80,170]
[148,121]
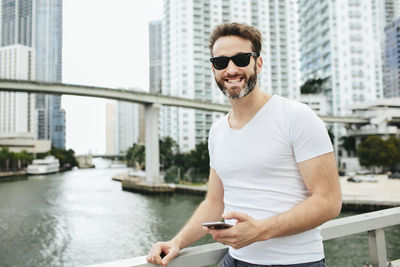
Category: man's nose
[231,68]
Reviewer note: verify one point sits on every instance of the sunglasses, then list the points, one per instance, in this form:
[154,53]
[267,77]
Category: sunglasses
[240,60]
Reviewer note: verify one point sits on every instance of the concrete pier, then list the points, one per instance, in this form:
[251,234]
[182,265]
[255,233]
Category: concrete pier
[364,196]
[139,185]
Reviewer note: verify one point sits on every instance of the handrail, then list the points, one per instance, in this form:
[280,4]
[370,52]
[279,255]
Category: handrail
[371,222]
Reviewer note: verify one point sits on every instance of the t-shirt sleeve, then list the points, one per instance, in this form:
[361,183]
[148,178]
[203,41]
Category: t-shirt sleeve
[308,134]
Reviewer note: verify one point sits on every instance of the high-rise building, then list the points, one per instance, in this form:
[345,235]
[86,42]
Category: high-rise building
[392,60]
[333,38]
[38,24]
[391,55]
[186,69]
[17,110]
[127,124]
[155,56]
[391,10]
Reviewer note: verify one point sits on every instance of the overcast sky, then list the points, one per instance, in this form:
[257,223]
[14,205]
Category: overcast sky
[105,43]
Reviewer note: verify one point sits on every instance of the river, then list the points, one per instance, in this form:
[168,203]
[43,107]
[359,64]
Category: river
[82,217]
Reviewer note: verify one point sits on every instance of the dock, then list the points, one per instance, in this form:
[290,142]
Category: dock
[138,185]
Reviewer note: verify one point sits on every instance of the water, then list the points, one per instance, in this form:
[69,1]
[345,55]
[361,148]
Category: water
[83,217]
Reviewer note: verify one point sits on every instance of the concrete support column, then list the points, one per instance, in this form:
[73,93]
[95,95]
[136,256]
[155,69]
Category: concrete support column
[152,147]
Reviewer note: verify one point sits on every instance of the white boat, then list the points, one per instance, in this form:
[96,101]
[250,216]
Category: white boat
[49,164]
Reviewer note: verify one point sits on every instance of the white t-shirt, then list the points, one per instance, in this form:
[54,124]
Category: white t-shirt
[257,166]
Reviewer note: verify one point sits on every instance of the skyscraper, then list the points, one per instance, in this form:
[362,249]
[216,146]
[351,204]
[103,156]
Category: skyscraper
[155,56]
[340,41]
[127,125]
[392,60]
[17,111]
[38,24]
[186,69]
[391,54]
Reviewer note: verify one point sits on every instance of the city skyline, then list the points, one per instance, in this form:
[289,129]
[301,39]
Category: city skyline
[110,52]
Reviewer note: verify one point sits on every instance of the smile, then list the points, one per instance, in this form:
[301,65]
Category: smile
[237,80]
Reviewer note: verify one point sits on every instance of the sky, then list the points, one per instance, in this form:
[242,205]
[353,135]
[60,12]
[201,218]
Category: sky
[105,43]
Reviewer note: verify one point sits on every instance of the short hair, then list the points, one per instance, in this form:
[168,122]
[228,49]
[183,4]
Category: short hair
[237,29]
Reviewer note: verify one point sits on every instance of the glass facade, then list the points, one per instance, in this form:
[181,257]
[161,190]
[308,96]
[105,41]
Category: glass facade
[38,24]
[392,60]
[48,44]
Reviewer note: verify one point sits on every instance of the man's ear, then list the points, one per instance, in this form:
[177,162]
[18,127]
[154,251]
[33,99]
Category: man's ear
[259,62]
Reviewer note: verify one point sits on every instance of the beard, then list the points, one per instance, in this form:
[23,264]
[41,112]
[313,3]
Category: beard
[250,83]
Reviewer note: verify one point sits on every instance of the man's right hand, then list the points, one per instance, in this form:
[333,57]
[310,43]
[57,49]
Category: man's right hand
[170,249]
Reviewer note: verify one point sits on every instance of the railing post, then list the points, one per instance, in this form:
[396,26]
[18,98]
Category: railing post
[377,247]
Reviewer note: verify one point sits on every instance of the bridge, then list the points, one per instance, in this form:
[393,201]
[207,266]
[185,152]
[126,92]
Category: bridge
[152,103]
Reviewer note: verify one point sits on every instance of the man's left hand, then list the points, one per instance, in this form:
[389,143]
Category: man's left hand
[246,230]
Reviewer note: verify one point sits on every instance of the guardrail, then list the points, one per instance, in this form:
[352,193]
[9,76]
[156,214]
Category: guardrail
[372,222]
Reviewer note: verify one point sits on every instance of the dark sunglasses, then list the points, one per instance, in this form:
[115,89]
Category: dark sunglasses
[240,60]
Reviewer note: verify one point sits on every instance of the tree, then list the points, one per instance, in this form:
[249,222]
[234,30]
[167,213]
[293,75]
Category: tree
[5,156]
[392,152]
[199,161]
[66,157]
[371,151]
[331,136]
[348,143]
[167,146]
[135,156]
[312,86]
[25,158]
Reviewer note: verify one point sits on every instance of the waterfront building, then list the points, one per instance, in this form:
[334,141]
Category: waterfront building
[38,24]
[333,38]
[18,142]
[124,125]
[186,69]
[127,125]
[17,110]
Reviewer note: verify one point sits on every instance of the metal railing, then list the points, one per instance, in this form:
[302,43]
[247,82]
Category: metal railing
[372,222]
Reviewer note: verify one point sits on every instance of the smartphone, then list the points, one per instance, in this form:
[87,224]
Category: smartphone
[217,225]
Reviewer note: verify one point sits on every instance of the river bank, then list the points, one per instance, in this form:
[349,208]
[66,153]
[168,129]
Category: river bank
[362,196]
[12,176]
[22,175]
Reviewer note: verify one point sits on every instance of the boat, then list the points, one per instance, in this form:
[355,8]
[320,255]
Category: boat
[48,165]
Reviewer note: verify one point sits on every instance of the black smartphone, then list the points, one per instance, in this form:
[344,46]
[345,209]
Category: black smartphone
[217,225]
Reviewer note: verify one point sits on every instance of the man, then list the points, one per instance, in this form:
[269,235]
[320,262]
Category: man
[273,173]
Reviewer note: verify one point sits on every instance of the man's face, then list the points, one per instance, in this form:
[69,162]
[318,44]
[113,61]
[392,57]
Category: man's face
[235,82]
